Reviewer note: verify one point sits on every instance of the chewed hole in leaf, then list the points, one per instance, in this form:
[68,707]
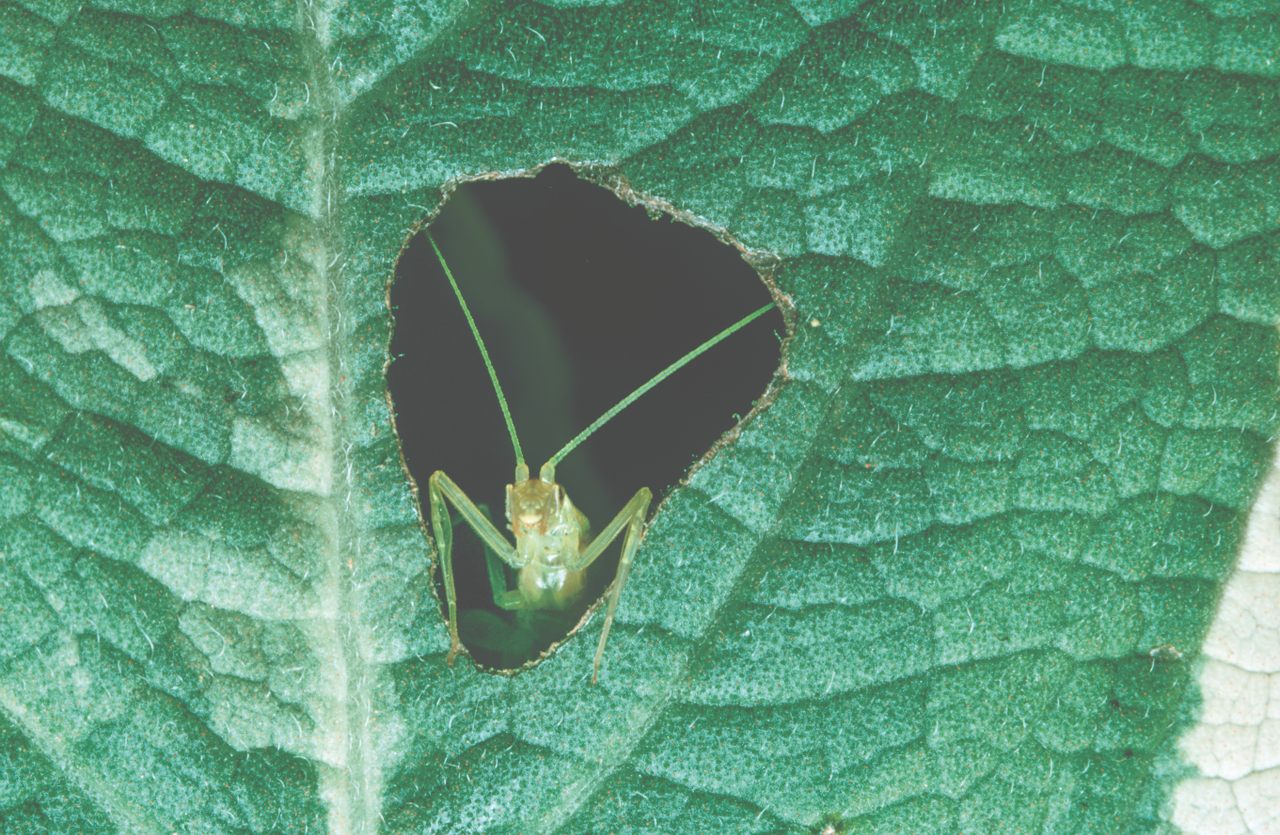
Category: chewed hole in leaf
[580,299]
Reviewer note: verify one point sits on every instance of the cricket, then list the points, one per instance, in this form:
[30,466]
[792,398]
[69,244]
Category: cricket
[553,546]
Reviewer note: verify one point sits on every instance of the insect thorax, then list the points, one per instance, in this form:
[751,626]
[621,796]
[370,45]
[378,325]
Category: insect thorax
[550,533]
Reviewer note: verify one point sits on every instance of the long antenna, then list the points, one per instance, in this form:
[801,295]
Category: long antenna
[657,378]
[484,353]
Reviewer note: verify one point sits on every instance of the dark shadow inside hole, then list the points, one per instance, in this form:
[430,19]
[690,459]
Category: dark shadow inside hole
[580,299]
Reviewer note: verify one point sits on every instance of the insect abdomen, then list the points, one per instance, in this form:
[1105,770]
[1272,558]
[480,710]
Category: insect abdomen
[550,587]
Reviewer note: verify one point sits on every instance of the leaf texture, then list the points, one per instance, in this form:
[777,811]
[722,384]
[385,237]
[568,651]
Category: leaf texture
[955,577]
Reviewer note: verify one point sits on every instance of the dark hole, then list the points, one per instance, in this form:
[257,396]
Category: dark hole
[580,299]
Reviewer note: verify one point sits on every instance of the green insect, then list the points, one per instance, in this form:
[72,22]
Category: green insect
[553,547]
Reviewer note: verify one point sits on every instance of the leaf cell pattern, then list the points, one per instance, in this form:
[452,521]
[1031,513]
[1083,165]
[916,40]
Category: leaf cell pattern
[953,577]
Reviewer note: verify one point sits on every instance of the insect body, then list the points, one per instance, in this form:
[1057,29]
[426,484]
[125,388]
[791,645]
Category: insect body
[553,548]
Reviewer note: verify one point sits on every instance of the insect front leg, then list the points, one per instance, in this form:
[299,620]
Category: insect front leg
[631,519]
[504,598]
[442,489]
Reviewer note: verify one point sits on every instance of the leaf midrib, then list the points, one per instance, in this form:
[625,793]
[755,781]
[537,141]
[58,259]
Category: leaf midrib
[350,787]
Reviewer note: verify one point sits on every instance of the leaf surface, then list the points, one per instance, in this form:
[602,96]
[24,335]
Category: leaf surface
[956,576]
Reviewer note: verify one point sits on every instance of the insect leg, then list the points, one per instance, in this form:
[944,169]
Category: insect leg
[630,518]
[442,489]
[504,598]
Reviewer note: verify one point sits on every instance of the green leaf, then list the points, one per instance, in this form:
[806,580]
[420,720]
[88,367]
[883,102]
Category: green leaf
[956,576]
